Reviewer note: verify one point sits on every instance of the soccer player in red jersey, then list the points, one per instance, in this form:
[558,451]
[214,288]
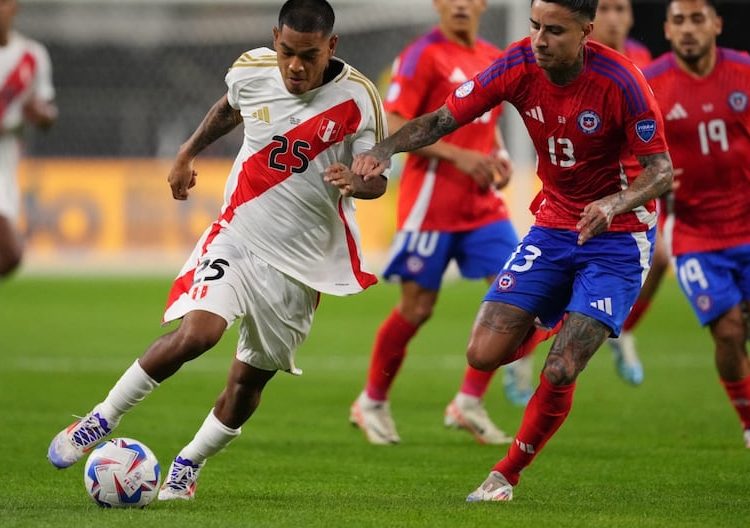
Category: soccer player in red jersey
[704,91]
[448,209]
[588,253]
[614,19]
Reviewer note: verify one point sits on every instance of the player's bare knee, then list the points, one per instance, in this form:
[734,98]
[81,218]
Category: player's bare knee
[10,262]
[193,341]
[479,357]
[559,371]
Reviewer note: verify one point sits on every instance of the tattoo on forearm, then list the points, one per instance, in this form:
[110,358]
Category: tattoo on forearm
[577,341]
[220,120]
[656,178]
[420,132]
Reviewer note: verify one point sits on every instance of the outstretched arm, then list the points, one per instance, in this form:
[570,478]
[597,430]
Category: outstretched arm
[419,132]
[655,180]
[220,120]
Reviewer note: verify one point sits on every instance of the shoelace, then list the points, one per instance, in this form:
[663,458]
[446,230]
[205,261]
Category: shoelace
[181,477]
[90,429]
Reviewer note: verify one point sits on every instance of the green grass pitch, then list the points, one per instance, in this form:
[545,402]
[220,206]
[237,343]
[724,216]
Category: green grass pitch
[668,453]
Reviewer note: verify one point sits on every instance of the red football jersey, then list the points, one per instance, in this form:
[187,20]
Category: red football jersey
[580,131]
[641,57]
[708,128]
[638,53]
[434,195]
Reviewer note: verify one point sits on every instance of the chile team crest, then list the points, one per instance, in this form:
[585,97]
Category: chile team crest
[505,281]
[589,121]
[738,101]
[328,131]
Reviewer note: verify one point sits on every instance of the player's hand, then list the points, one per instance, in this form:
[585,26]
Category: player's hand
[596,218]
[369,165]
[479,166]
[39,112]
[181,178]
[502,169]
[340,176]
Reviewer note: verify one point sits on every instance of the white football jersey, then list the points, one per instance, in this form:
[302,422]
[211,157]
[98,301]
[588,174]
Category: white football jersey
[25,71]
[275,201]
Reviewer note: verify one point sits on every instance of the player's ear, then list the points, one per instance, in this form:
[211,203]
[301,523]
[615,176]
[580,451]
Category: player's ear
[332,43]
[276,35]
[588,28]
[719,25]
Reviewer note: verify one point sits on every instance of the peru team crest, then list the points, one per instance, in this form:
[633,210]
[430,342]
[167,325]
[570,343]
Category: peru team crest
[329,131]
[738,101]
[589,121]
[645,129]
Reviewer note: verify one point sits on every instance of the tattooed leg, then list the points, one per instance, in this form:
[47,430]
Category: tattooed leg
[498,331]
[577,341]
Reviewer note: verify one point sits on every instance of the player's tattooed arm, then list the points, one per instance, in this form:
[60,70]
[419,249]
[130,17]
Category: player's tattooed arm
[220,120]
[419,132]
[655,180]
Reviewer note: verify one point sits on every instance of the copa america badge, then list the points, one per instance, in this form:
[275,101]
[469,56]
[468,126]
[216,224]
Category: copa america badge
[465,89]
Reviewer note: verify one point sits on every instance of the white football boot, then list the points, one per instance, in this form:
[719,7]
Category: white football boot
[494,488]
[747,438]
[467,412]
[374,418]
[72,443]
[627,363]
[517,381]
[181,480]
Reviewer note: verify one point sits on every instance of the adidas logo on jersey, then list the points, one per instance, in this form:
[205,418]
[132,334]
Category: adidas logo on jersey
[535,113]
[262,114]
[677,112]
[458,76]
[603,305]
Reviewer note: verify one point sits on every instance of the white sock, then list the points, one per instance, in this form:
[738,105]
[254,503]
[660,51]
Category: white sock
[212,437]
[132,387]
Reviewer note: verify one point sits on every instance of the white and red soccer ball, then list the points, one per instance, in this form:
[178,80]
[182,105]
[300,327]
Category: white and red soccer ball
[122,473]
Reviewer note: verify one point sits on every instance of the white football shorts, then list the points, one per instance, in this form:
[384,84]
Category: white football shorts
[9,194]
[275,310]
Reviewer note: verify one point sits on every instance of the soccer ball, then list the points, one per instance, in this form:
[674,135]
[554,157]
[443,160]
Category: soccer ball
[122,473]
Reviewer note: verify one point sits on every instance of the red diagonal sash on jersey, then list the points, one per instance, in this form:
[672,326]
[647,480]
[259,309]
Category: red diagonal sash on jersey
[17,81]
[257,176]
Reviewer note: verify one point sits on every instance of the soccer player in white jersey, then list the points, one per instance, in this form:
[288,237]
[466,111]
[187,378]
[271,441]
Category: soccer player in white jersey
[26,94]
[285,233]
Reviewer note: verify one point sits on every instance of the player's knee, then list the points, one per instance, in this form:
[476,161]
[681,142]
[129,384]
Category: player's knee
[10,260]
[558,371]
[193,341]
[417,313]
[478,357]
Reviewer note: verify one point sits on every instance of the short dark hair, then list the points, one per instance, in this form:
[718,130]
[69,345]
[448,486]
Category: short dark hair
[586,8]
[711,3]
[307,16]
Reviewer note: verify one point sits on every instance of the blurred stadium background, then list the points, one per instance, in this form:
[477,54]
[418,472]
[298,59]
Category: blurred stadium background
[133,79]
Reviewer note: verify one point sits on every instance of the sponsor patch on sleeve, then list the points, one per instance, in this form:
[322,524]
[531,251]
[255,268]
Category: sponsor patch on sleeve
[645,129]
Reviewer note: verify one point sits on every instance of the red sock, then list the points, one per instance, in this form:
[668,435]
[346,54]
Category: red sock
[545,413]
[639,309]
[531,341]
[388,353]
[476,381]
[739,395]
